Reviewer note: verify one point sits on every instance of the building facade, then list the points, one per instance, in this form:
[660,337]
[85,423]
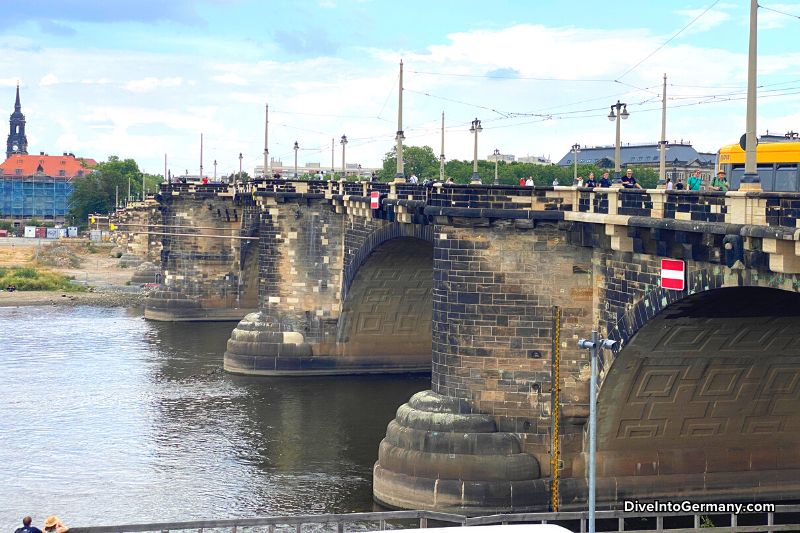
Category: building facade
[36,186]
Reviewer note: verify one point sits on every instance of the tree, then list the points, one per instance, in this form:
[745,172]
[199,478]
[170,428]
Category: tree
[88,197]
[97,192]
[420,161]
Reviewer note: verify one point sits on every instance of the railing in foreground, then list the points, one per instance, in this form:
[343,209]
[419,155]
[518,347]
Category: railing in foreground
[580,517]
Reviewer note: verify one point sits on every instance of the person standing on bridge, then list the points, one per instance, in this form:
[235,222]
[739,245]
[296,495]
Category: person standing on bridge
[529,183]
[413,179]
[27,527]
[54,525]
[590,183]
[695,181]
[719,183]
[604,180]
[629,182]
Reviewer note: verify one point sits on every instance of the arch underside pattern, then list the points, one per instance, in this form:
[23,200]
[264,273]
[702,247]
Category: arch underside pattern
[705,396]
[388,308]
[392,230]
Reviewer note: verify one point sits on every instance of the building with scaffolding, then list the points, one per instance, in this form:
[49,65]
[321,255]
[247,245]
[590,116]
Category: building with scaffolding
[36,186]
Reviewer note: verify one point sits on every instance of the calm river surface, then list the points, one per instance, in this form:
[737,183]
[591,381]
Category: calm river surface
[106,418]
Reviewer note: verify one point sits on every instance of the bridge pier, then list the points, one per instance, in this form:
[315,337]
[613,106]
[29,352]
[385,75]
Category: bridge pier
[338,295]
[211,277]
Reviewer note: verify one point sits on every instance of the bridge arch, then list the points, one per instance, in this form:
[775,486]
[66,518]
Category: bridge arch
[704,394]
[388,304]
[392,230]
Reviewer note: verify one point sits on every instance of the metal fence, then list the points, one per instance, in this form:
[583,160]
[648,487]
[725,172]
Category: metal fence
[786,515]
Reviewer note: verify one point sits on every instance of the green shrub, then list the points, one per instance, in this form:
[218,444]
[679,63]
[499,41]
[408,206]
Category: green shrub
[123,264]
[31,279]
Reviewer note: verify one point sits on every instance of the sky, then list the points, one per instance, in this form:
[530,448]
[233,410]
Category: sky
[144,78]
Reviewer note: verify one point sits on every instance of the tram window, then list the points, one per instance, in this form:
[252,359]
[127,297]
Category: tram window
[786,177]
[766,175]
[736,176]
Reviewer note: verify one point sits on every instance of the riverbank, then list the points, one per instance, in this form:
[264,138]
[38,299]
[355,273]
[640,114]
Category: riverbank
[73,299]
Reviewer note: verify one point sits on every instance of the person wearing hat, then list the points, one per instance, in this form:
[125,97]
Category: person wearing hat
[719,183]
[27,527]
[54,525]
[628,181]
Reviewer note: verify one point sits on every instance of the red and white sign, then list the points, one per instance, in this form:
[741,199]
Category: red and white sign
[673,274]
[375,200]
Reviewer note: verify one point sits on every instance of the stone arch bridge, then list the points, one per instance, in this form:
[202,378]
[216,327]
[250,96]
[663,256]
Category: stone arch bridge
[489,288]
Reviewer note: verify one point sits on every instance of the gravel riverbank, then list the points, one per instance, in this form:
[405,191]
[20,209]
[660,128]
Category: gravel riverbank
[105,298]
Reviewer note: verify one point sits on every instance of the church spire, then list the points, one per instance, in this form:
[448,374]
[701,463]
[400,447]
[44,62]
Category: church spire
[17,105]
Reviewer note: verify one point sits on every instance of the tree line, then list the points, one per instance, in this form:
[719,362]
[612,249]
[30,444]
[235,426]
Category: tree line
[422,162]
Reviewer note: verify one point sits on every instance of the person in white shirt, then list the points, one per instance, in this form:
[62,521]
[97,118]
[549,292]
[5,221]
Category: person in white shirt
[413,179]
[669,184]
[555,182]
[529,182]
[580,181]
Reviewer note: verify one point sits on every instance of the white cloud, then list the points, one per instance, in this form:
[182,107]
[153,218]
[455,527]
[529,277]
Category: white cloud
[103,81]
[50,79]
[87,81]
[8,82]
[148,84]
[231,78]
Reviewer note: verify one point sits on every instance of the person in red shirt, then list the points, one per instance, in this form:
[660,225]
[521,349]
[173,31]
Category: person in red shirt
[522,181]
[205,180]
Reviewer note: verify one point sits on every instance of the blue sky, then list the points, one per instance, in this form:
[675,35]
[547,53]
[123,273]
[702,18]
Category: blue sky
[144,78]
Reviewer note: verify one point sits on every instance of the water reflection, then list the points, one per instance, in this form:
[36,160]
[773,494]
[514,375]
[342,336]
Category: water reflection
[106,418]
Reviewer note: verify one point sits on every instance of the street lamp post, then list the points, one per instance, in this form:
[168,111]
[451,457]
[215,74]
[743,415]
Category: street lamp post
[496,157]
[296,148]
[575,149]
[475,128]
[399,177]
[215,170]
[343,142]
[662,165]
[240,167]
[623,114]
[750,179]
[595,344]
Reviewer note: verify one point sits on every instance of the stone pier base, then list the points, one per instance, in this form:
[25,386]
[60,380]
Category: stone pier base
[438,455]
[257,348]
[169,305]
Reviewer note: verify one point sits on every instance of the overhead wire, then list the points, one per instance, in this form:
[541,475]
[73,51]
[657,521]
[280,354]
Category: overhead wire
[666,42]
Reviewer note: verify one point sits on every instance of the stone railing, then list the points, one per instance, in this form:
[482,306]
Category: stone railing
[773,209]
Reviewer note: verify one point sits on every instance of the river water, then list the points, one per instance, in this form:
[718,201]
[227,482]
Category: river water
[106,418]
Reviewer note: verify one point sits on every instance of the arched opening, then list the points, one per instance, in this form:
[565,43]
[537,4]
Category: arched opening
[387,311]
[706,392]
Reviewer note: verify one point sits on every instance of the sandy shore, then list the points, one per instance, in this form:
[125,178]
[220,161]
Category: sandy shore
[71,299]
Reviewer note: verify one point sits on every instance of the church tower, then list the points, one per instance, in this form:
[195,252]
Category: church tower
[17,141]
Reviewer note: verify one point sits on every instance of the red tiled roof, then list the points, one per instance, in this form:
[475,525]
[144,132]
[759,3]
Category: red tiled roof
[52,165]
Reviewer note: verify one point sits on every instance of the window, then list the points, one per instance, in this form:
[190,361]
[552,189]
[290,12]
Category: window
[62,172]
[640,159]
[786,177]
[63,162]
[19,160]
[569,161]
[80,173]
[18,172]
